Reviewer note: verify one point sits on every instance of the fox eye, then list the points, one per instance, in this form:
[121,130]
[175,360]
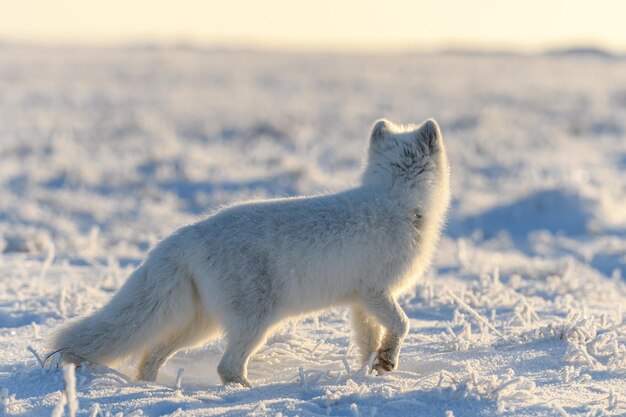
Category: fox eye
[417,219]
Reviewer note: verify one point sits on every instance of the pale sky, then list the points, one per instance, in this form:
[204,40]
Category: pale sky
[320,24]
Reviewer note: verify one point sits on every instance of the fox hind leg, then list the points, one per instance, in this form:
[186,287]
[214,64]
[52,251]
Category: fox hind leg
[199,330]
[241,343]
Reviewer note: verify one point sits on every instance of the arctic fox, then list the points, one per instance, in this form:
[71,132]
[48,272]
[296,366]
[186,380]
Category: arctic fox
[247,267]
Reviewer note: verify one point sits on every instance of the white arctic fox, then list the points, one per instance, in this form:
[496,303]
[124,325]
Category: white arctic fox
[249,266]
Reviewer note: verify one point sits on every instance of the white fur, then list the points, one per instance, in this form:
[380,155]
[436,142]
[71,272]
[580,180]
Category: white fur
[248,267]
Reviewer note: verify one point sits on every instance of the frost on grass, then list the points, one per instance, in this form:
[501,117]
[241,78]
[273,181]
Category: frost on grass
[105,152]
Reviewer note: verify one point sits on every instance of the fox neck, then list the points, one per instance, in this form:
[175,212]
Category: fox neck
[403,197]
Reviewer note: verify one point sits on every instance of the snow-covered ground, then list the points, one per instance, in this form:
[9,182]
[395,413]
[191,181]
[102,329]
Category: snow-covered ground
[105,151]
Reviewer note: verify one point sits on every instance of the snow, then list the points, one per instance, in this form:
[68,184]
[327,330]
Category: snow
[105,151]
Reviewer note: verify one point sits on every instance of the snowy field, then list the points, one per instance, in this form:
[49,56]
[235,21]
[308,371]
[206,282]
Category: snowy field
[104,152]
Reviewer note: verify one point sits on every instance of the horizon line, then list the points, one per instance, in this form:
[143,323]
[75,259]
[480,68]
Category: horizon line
[311,47]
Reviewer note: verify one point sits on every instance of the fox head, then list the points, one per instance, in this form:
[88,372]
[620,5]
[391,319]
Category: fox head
[409,160]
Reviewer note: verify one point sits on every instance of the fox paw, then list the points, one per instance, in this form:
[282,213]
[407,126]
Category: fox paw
[237,380]
[384,363]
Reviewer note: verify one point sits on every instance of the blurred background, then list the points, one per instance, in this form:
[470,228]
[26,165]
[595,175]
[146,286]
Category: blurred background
[365,25]
[120,121]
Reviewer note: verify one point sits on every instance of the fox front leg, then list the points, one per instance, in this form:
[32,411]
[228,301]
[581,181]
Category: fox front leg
[367,333]
[388,312]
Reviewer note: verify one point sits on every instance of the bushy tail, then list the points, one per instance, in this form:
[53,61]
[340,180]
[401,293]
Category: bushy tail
[145,309]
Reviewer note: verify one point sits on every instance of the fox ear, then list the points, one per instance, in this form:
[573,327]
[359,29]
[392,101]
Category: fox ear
[429,133]
[381,129]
